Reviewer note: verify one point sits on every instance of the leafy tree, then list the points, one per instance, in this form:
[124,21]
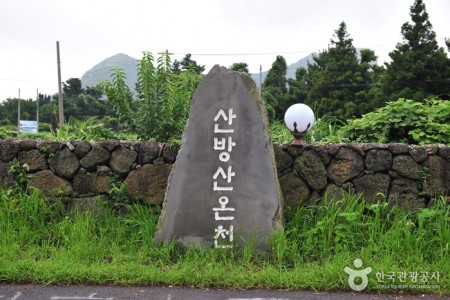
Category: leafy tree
[419,67]
[94,91]
[8,110]
[298,87]
[176,67]
[48,112]
[78,102]
[82,103]
[72,87]
[339,82]
[274,89]
[187,63]
[119,94]
[240,66]
[162,106]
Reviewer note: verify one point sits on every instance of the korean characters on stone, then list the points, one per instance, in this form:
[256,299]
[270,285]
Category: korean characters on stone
[223,178]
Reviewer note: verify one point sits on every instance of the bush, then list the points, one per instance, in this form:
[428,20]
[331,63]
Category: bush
[325,130]
[403,121]
[88,129]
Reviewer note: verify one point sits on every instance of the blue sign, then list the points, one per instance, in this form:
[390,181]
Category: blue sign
[28,126]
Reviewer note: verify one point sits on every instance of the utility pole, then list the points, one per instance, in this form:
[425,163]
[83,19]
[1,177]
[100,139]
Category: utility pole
[37,110]
[18,114]
[260,77]
[60,96]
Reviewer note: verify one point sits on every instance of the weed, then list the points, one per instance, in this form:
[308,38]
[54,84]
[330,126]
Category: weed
[46,151]
[87,129]
[118,190]
[20,173]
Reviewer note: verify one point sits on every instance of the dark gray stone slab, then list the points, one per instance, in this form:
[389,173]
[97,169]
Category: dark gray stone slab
[148,183]
[149,152]
[295,191]
[34,159]
[374,187]
[97,156]
[310,168]
[436,176]
[406,166]
[82,149]
[26,145]
[122,159]
[346,165]
[8,150]
[405,193]
[49,184]
[204,205]
[378,160]
[65,163]
[283,159]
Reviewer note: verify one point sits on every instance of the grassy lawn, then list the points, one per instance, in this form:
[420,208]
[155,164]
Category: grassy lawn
[41,243]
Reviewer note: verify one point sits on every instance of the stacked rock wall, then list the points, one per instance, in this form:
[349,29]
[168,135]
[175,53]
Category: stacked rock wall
[407,175]
[79,171]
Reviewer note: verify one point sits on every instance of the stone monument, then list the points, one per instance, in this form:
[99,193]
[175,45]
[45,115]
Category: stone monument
[223,190]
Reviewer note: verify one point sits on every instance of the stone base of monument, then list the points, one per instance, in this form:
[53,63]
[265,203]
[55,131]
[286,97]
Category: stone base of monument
[223,190]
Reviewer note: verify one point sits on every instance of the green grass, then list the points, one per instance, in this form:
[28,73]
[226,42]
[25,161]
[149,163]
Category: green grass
[87,129]
[41,243]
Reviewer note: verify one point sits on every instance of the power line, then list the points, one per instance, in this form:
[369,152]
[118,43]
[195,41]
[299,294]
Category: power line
[356,85]
[11,79]
[241,54]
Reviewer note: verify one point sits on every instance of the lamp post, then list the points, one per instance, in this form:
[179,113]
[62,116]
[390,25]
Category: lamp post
[299,118]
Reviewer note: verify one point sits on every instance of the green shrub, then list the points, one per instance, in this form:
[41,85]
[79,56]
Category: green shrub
[404,121]
[87,129]
[325,130]
[8,131]
[36,136]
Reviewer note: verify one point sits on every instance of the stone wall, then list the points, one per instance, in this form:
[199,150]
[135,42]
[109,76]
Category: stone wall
[78,170]
[408,175]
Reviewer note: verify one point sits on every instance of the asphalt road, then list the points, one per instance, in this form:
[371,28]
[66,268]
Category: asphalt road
[37,292]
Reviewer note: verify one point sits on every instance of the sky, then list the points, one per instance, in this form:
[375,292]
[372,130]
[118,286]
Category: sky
[213,31]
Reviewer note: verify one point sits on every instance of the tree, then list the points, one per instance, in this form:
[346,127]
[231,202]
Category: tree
[94,91]
[240,66]
[72,87]
[419,67]
[162,106]
[339,82]
[8,110]
[187,64]
[298,87]
[274,88]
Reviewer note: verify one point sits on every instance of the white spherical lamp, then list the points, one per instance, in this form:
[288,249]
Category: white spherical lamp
[299,118]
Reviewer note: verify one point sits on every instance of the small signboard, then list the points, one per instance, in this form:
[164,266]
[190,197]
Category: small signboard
[28,126]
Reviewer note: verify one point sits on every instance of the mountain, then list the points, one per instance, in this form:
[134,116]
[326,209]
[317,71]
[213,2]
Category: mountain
[102,71]
[291,69]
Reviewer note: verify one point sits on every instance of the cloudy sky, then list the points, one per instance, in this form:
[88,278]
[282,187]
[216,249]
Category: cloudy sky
[214,31]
